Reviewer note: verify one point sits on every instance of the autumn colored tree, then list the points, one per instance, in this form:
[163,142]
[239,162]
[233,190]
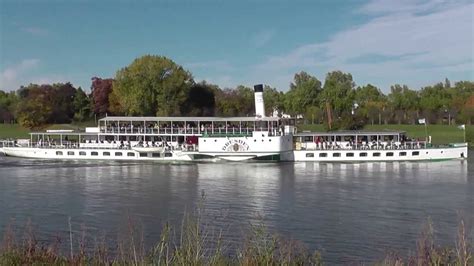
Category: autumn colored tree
[35,109]
[100,91]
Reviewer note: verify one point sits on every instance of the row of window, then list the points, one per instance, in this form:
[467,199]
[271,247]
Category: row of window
[117,154]
[362,154]
[94,153]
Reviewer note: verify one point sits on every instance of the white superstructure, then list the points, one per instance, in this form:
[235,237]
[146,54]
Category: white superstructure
[366,146]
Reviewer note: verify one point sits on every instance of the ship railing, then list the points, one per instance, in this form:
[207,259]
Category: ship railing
[92,146]
[369,146]
[186,130]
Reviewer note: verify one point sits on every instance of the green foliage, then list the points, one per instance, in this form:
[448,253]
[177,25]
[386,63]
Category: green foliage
[404,102]
[41,104]
[338,92]
[372,103]
[8,103]
[152,85]
[235,102]
[82,106]
[304,92]
[274,100]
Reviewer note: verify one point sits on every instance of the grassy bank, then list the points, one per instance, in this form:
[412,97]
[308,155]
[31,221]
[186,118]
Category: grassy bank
[441,134]
[16,131]
[197,245]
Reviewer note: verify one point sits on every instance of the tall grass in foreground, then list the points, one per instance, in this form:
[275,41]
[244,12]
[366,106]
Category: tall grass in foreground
[195,244]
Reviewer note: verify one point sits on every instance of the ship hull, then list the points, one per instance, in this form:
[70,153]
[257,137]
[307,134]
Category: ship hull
[428,154]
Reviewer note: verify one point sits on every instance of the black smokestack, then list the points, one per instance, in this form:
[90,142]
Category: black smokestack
[258,88]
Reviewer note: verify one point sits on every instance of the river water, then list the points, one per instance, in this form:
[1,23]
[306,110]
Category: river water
[350,212]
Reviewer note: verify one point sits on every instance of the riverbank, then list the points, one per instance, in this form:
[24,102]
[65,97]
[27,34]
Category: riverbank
[196,244]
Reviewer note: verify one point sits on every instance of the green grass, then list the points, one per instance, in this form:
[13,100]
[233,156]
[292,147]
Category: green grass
[13,131]
[18,132]
[440,134]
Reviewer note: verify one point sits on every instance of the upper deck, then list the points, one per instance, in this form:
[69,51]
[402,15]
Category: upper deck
[191,126]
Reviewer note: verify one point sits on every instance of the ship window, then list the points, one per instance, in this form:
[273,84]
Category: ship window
[82,153]
[350,154]
[376,154]
[168,154]
[363,154]
[337,154]
[70,153]
[269,140]
[106,153]
[308,139]
[309,155]
[155,154]
[323,154]
[94,153]
[130,154]
[415,153]
[403,153]
[118,154]
[143,154]
[389,154]
[59,153]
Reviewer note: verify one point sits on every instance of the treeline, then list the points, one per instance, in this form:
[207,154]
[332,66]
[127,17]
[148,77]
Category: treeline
[157,86]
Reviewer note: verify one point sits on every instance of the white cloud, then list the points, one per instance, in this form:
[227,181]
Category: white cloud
[414,41]
[263,37]
[10,76]
[224,81]
[36,31]
[219,65]
[20,74]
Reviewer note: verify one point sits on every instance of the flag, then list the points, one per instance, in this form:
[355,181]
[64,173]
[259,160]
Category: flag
[422,121]
[463,127]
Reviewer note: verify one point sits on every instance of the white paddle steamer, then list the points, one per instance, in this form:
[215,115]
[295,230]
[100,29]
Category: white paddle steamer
[224,138]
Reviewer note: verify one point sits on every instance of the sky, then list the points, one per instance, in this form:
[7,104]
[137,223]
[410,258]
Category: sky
[230,43]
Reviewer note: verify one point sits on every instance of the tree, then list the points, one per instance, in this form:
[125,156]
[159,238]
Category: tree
[62,105]
[35,109]
[273,101]
[8,102]
[152,85]
[371,101]
[434,101]
[404,103]
[100,91]
[304,92]
[201,100]
[338,97]
[82,105]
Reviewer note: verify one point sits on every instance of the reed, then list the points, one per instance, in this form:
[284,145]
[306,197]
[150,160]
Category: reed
[196,243]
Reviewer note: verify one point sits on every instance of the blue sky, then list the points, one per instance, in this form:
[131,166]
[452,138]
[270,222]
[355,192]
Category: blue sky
[414,42]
